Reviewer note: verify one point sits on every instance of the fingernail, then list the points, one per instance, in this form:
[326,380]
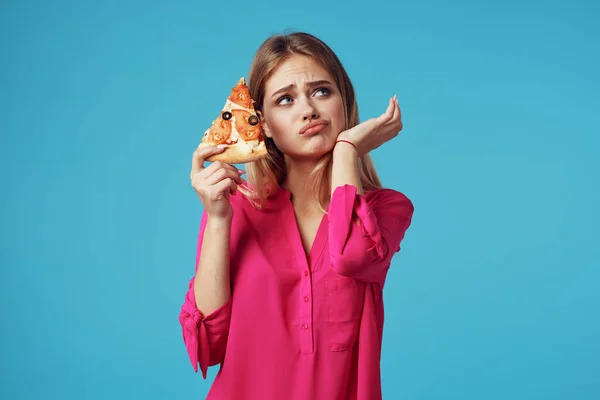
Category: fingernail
[222,146]
[241,171]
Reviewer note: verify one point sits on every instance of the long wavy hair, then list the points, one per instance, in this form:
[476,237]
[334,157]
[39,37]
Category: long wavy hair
[265,175]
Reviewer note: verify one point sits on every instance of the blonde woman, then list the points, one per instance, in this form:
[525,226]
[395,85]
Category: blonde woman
[290,265]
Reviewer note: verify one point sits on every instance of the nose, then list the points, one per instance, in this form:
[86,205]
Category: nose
[309,112]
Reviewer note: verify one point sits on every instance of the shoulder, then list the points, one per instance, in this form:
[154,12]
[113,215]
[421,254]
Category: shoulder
[241,204]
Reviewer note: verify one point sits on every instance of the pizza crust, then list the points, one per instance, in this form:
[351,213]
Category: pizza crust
[236,154]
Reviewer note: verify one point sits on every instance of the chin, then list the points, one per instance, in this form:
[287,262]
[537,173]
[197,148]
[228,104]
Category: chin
[317,147]
[309,155]
[309,148]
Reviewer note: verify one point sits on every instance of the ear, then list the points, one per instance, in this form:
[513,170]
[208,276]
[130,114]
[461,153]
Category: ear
[264,125]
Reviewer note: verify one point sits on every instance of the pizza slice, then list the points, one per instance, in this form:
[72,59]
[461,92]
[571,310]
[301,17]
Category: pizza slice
[239,127]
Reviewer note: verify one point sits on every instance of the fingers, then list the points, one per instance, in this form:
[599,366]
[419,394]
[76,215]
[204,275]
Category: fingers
[217,192]
[216,166]
[396,113]
[208,181]
[201,154]
[227,171]
[389,112]
[395,122]
[225,185]
[214,187]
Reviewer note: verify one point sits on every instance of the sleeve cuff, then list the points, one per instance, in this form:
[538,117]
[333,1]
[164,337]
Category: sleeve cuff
[198,329]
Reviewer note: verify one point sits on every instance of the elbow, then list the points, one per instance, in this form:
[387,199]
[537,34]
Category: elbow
[359,262]
[189,318]
[189,329]
[196,342]
[205,337]
[216,356]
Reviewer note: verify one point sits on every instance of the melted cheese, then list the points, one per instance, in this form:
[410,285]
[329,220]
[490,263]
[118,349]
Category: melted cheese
[235,135]
[253,143]
[230,105]
[235,138]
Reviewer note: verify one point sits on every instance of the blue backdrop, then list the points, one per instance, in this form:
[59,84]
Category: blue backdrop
[495,294]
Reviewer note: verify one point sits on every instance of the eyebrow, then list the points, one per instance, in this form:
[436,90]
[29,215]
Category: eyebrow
[309,84]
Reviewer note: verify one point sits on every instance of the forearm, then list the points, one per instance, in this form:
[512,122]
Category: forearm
[212,286]
[345,167]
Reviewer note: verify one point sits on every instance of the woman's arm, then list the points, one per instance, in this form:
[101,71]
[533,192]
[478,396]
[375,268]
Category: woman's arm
[206,312]
[364,235]
[212,286]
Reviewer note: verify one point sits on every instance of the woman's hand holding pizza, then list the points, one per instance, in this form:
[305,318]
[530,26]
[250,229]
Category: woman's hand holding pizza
[214,184]
[374,132]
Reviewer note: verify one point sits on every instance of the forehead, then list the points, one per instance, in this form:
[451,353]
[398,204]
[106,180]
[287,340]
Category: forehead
[296,70]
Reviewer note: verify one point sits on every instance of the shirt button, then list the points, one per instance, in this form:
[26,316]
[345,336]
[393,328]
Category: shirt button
[306,299]
[304,326]
[306,273]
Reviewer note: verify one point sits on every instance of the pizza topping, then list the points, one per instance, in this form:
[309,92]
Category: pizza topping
[253,120]
[240,96]
[246,130]
[226,115]
[220,131]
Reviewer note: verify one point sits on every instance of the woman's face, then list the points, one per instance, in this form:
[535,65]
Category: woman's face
[302,109]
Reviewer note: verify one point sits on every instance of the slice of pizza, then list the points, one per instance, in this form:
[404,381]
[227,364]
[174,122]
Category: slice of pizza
[239,127]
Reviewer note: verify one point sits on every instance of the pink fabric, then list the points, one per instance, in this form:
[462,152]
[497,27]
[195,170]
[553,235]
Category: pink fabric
[298,326]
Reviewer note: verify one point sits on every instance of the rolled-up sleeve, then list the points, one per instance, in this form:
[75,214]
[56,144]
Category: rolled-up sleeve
[205,337]
[364,235]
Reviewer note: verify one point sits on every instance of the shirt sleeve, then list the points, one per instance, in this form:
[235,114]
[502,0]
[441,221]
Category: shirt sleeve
[205,337]
[364,235]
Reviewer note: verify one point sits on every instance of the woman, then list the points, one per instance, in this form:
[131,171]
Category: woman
[287,294]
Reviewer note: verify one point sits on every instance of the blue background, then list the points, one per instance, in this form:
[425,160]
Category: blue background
[495,294]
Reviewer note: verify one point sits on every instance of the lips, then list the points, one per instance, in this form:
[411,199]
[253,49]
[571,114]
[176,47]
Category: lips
[313,127]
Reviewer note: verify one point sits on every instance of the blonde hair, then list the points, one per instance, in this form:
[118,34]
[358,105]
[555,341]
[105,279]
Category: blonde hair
[265,175]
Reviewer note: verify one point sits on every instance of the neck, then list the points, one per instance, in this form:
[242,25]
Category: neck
[297,175]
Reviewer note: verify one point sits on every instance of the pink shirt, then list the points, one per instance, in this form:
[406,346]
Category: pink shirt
[297,326]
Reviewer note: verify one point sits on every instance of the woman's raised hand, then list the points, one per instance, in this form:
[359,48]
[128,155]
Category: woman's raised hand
[374,132]
[215,183]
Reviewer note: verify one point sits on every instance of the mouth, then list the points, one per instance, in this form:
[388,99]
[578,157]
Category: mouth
[313,127]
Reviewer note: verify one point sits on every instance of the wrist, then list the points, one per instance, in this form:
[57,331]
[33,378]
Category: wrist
[219,221]
[344,146]
[346,155]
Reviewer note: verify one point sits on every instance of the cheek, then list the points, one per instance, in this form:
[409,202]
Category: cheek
[279,134]
[337,115]
[276,127]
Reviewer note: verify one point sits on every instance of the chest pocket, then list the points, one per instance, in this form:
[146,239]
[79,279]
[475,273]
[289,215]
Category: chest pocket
[344,304]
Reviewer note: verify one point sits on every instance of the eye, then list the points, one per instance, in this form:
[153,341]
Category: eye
[285,97]
[325,91]
[253,120]
[226,115]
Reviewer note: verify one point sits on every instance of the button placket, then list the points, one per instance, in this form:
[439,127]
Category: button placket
[306,329]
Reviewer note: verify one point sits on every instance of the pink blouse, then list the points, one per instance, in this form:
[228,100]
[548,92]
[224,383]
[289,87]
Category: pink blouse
[298,326]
